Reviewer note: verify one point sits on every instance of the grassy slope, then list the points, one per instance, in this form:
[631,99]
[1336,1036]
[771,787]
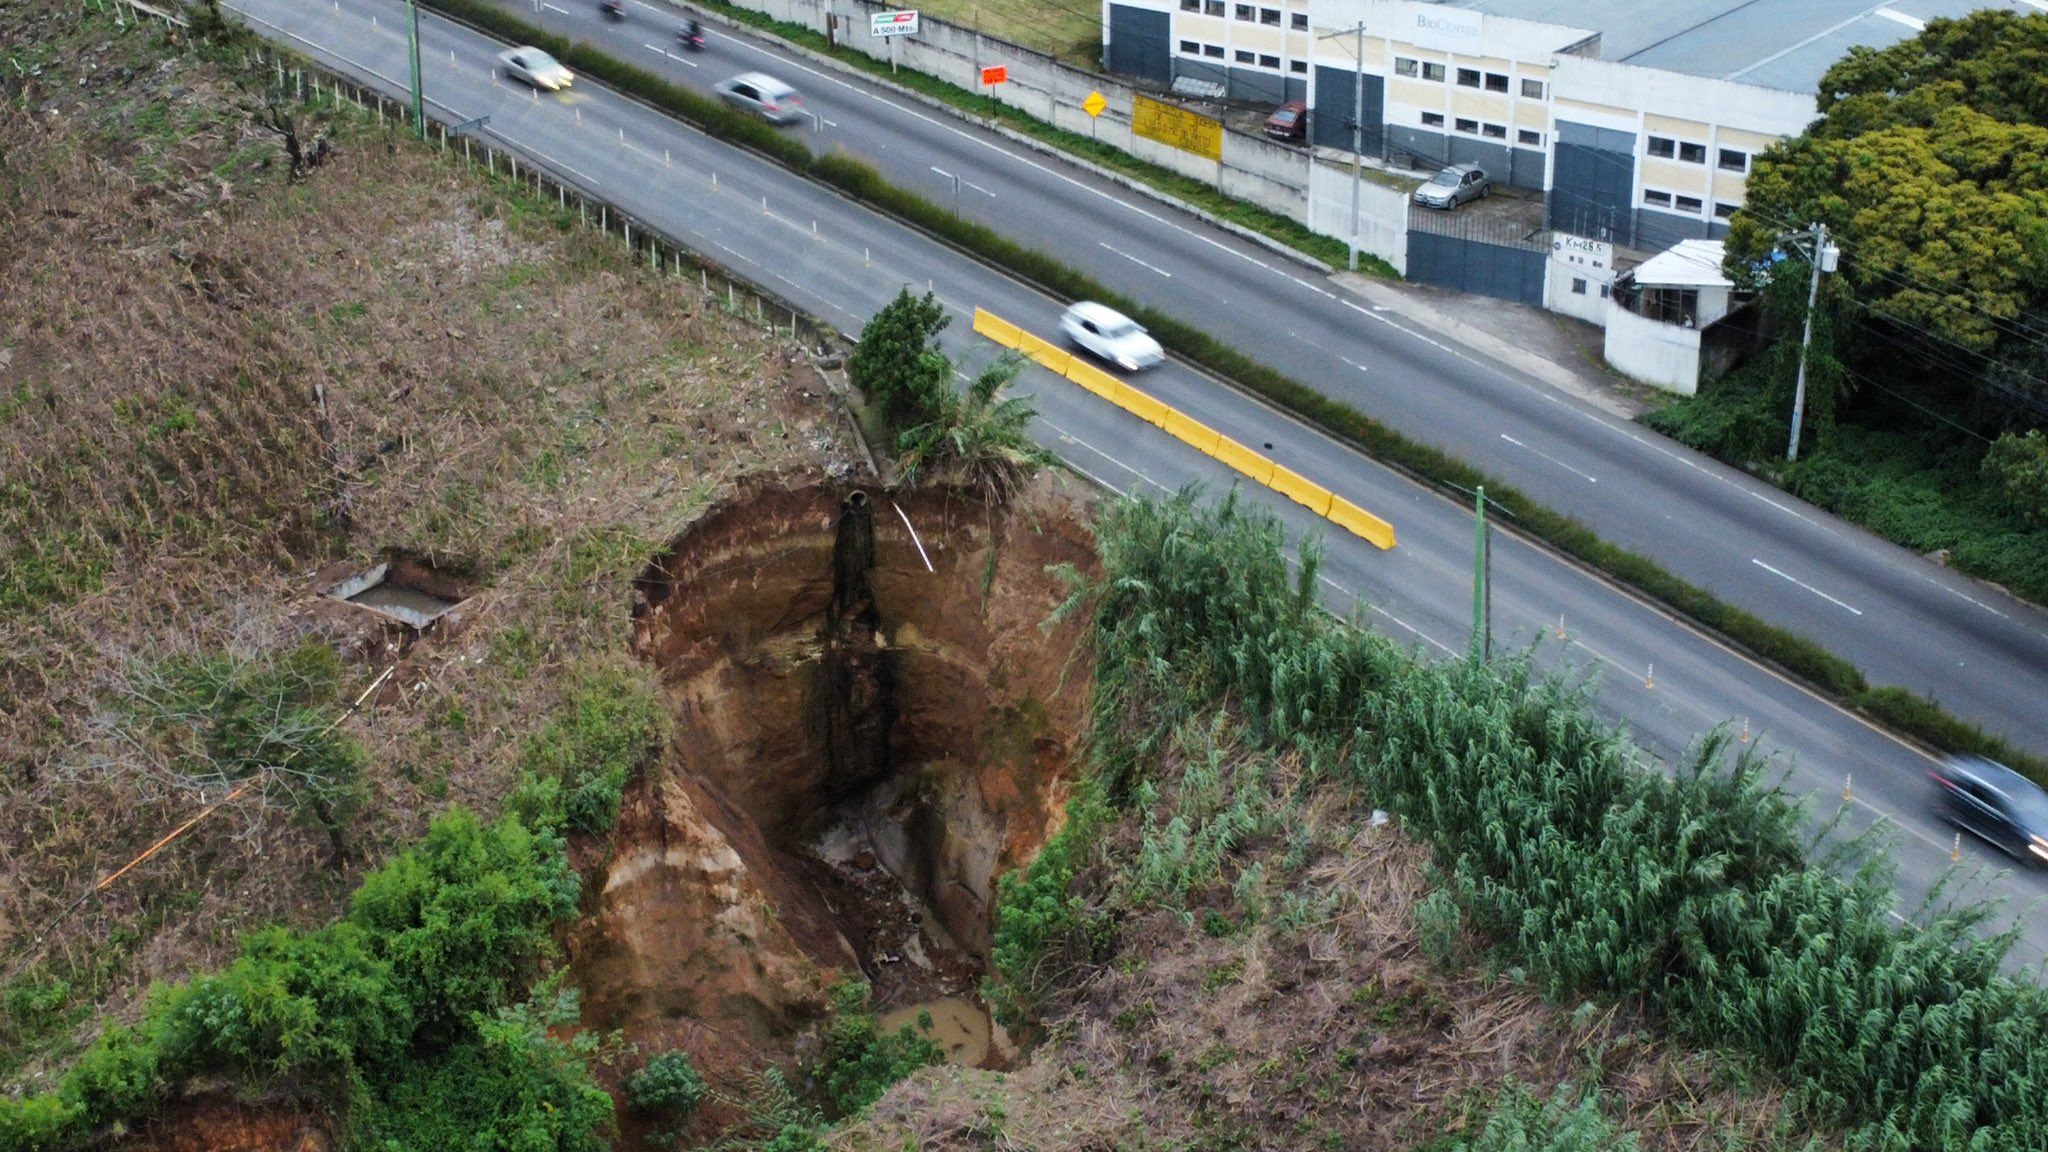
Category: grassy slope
[506,394]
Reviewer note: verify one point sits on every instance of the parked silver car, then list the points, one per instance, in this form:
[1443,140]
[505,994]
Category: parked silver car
[535,67]
[1111,335]
[1453,186]
[762,94]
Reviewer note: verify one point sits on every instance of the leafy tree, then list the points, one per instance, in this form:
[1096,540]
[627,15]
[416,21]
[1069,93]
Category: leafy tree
[898,363]
[1930,163]
[2018,466]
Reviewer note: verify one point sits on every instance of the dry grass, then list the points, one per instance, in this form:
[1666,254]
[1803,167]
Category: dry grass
[1068,29]
[1338,1033]
[505,395]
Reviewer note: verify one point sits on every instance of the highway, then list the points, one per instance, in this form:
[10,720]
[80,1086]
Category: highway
[841,262]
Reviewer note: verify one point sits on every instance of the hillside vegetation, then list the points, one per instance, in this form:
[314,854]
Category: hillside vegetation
[222,387]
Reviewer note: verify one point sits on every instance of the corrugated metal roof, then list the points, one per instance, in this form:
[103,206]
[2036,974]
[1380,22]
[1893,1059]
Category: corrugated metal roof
[1784,44]
[1689,264]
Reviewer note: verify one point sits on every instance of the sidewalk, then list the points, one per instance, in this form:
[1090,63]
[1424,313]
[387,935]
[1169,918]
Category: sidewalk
[1555,349]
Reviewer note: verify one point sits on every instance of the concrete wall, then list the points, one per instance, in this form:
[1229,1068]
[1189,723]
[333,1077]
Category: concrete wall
[1665,355]
[1382,213]
[1576,261]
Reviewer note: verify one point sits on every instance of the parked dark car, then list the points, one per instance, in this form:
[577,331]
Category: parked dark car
[1996,804]
[1289,122]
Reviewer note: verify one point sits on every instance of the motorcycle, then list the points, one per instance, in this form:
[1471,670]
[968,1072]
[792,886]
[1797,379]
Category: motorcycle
[691,37]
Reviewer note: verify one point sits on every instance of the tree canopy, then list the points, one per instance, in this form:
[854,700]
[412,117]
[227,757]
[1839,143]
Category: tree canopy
[1930,162]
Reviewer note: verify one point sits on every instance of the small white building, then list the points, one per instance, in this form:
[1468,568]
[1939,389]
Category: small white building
[1659,313]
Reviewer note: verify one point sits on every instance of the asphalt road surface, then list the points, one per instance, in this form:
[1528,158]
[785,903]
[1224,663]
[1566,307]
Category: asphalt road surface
[1668,682]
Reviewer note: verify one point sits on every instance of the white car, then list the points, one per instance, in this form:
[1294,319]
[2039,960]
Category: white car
[535,67]
[763,95]
[1111,335]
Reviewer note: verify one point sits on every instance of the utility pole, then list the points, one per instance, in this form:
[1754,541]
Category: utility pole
[419,117]
[1824,258]
[1357,130]
[1482,591]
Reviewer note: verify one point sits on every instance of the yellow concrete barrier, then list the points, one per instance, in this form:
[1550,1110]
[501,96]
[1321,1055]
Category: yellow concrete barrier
[1301,490]
[1193,433]
[1092,378]
[1368,527]
[997,329]
[1244,459]
[1045,352]
[1138,404]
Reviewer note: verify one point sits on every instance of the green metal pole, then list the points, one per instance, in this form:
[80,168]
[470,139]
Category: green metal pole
[419,118]
[1481,642]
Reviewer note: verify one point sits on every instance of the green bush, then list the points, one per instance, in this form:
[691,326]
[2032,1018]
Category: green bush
[897,362]
[2017,466]
[860,1061]
[574,771]
[668,1084]
[1521,1121]
[420,987]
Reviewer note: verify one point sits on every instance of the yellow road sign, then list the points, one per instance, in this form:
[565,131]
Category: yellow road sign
[1185,130]
[1094,104]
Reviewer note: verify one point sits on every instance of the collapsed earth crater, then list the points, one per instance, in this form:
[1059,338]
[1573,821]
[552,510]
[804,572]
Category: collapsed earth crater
[874,721]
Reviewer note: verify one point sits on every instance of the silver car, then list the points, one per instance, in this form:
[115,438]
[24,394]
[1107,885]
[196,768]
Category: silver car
[763,95]
[1453,186]
[535,67]
[1111,335]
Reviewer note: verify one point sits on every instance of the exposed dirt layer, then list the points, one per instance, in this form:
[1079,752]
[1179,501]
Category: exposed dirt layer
[864,744]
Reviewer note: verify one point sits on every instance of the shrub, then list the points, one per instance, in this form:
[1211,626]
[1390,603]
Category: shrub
[667,1084]
[1520,1121]
[575,769]
[897,362]
[860,1062]
[410,1007]
[2017,466]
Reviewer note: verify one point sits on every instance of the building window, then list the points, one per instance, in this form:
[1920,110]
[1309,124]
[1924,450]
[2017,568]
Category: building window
[1433,119]
[1191,48]
[1403,66]
[1532,139]
[1468,77]
[1272,62]
[1495,82]
[1433,72]
[1468,126]
[1657,199]
[1690,205]
[1578,286]
[1724,211]
[1298,21]
[1693,153]
[1191,5]
[1733,161]
[1298,65]
[1247,12]
[1269,16]
[1212,7]
[1496,131]
[1214,50]
[1244,57]
[1663,146]
[1603,291]
[1532,89]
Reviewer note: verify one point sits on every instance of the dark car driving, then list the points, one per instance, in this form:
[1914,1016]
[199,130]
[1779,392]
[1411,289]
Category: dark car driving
[1996,804]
